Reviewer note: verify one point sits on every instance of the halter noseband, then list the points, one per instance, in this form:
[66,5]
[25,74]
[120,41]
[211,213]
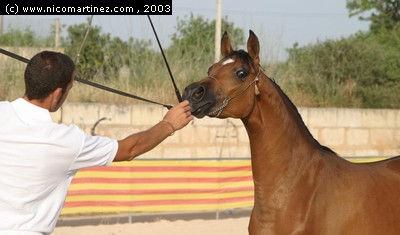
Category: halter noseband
[225,103]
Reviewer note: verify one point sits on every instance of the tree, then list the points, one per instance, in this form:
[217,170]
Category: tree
[362,70]
[195,35]
[102,55]
[381,13]
[26,37]
[192,48]
[91,58]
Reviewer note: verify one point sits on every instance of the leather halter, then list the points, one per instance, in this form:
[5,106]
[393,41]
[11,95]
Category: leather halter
[226,101]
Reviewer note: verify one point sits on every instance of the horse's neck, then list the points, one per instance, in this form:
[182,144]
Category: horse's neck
[281,146]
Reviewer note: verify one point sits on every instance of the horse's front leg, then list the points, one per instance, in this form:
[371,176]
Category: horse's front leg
[252,226]
[255,227]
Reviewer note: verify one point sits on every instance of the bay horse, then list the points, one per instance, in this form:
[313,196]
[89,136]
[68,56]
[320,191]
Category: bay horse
[300,186]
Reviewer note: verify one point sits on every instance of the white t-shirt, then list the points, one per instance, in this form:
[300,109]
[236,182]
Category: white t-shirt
[38,159]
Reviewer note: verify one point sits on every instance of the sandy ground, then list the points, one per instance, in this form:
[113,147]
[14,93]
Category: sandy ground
[236,226]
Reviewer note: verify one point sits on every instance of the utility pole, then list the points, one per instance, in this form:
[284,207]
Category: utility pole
[1,24]
[218,31]
[57,33]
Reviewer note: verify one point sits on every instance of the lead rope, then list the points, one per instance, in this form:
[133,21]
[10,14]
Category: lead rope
[87,82]
[178,94]
[102,87]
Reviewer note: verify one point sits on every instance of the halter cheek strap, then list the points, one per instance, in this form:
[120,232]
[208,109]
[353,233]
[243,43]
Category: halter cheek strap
[257,91]
[225,103]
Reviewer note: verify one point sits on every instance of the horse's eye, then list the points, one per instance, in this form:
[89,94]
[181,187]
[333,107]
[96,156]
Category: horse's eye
[241,74]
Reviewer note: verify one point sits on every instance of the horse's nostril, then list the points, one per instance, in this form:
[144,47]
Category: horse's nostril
[198,93]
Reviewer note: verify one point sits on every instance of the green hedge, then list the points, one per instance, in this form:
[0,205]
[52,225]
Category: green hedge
[360,71]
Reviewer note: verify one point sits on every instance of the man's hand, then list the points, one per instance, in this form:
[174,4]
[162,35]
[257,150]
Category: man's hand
[179,115]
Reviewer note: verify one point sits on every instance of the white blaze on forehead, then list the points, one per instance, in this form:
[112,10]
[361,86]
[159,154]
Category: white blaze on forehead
[228,61]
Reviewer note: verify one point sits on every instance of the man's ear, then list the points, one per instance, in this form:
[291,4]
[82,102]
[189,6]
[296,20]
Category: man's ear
[56,96]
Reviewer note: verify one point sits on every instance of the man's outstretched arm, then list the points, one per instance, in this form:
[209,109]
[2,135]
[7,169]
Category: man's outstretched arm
[134,145]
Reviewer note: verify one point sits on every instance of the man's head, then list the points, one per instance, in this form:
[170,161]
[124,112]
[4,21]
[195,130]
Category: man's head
[49,75]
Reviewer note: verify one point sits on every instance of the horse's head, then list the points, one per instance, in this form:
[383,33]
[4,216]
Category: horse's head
[229,88]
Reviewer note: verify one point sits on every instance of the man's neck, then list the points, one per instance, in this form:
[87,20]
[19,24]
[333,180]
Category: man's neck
[45,103]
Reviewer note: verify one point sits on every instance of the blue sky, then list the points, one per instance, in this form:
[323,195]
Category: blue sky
[278,24]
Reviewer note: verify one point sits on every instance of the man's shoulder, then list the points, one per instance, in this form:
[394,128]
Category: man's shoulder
[4,104]
[67,130]
[5,107]
[70,136]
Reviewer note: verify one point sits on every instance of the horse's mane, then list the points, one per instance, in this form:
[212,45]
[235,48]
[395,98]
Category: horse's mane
[298,117]
[243,55]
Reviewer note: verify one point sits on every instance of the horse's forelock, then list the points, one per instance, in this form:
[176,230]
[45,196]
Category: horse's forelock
[244,56]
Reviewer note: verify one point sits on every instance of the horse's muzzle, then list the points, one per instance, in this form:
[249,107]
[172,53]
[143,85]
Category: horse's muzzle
[200,99]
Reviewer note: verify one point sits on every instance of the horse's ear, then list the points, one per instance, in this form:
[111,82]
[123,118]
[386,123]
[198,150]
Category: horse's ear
[253,47]
[226,46]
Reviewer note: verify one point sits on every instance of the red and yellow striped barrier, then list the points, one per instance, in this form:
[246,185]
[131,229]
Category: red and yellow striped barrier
[164,185]
[155,186]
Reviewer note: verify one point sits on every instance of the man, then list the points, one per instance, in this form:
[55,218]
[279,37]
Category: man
[38,158]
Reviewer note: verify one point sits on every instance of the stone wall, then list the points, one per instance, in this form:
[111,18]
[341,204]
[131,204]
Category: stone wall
[349,132]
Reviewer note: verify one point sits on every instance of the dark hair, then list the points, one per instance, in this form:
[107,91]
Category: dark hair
[46,72]
[243,55]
